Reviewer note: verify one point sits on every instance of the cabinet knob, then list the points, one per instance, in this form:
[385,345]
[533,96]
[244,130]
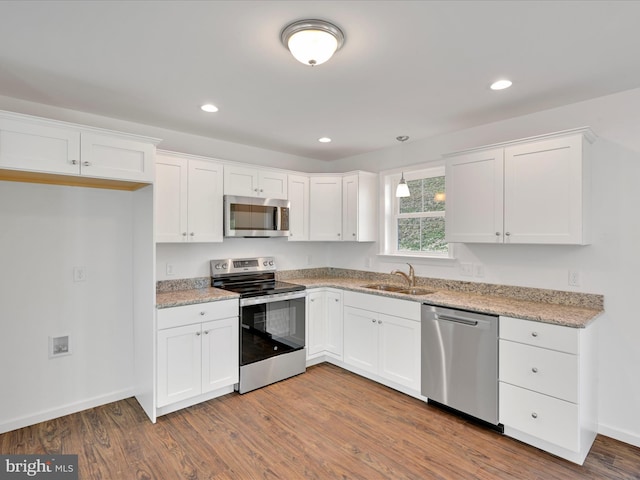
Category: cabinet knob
[534,370]
[508,234]
[534,334]
[74,162]
[338,234]
[373,320]
[255,190]
[497,234]
[534,415]
[337,300]
[184,234]
[206,332]
[86,164]
[313,299]
[379,322]
[261,190]
[353,234]
[197,334]
[192,234]
[201,313]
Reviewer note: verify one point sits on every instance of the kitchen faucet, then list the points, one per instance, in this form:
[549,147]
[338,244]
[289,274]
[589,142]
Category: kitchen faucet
[411,278]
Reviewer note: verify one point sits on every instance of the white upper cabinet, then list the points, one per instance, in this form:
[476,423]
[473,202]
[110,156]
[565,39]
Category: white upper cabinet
[31,144]
[534,191]
[325,208]
[359,207]
[251,182]
[299,208]
[188,199]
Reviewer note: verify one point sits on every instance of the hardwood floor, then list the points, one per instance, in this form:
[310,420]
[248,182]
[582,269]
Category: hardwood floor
[325,424]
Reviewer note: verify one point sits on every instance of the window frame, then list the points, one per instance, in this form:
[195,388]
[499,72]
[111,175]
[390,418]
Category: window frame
[391,212]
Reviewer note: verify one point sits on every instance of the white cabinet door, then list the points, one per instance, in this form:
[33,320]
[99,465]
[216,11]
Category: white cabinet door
[350,208]
[361,339]
[179,364]
[315,322]
[334,323]
[220,354]
[39,148]
[272,184]
[205,201]
[543,191]
[116,158]
[171,199]
[250,182]
[299,208]
[400,350]
[474,186]
[325,208]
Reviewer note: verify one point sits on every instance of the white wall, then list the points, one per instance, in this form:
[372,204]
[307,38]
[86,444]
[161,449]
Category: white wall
[45,231]
[608,266]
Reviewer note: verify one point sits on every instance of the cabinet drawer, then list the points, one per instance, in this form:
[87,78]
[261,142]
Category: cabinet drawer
[197,313]
[546,335]
[544,417]
[546,371]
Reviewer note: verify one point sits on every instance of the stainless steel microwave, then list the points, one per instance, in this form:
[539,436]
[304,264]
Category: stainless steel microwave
[255,217]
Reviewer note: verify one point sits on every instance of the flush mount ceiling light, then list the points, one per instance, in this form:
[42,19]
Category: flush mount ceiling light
[209,108]
[501,84]
[403,189]
[312,42]
[324,140]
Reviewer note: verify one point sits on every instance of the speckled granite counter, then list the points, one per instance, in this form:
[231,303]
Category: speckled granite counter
[177,298]
[527,303]
[550,306]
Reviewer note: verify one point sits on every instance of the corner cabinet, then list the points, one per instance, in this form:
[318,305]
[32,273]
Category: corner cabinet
[189,199]
[548,389]
[298,208]
[532,191]
[382,339]
[251,182]
[198,353]
[39,146]
[343,208]
[324,324]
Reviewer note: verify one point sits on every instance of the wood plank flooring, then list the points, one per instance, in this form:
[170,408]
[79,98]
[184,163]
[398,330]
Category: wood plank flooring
[325,424]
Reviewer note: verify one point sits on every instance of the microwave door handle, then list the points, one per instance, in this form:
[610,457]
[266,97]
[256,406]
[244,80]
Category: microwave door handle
[278,218]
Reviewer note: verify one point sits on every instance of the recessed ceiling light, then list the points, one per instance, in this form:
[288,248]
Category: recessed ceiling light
[209,108]
[324,140]
[501,84]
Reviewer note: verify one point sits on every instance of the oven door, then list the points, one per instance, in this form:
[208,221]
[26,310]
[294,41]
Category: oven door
[271,325]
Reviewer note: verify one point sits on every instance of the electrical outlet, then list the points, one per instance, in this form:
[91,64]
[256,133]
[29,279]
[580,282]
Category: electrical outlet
[59,346]
[466,269]
[574,278]
[79,274]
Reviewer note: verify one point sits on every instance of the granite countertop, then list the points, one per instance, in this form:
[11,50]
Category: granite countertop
[189,297]
[566,315]
[570,309]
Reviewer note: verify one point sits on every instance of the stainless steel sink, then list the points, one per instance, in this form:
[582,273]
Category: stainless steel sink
[384,287]
[399,289]
[416,291]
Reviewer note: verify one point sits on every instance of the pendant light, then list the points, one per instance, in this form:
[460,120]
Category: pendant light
[312,42]
[403,188]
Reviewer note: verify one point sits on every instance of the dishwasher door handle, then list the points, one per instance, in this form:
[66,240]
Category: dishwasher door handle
[464,321]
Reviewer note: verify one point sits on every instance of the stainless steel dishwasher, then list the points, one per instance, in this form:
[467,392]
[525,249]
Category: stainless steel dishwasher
[460,361]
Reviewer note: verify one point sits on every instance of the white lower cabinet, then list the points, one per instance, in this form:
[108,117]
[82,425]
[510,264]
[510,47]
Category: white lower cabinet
[548,394]
[198,350]
[383,338]
[324,323]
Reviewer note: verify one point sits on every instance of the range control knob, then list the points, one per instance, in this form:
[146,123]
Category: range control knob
[217,266]
[224,265]
[265,263]
[271,263]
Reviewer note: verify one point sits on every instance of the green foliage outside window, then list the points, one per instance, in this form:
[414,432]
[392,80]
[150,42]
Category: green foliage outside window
[423,233]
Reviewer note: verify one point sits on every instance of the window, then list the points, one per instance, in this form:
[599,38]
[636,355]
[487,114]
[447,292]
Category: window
[415,224]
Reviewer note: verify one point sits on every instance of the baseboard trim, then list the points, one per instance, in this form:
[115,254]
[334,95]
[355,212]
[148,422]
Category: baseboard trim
[618,434]
[70,408]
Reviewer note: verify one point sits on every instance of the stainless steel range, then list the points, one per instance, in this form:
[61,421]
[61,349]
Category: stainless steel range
[272,320]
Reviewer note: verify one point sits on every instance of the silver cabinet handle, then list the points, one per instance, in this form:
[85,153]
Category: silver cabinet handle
[206,332]
[379,322]
[192,234]
[261,190]
[534,334]
[508,234]
[312,299]
[184,234]
[353,234]
[497,234]
[86,164]
[373,320]
[74,162]
[201,313]
[534,415]
[337,300]
[534,370]
[255,189]
[338,234]
[197,334]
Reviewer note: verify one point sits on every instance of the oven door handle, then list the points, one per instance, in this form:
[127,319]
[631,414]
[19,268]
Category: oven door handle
[279,297]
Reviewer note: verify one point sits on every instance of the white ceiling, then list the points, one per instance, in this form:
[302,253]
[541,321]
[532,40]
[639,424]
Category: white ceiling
[417,68]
